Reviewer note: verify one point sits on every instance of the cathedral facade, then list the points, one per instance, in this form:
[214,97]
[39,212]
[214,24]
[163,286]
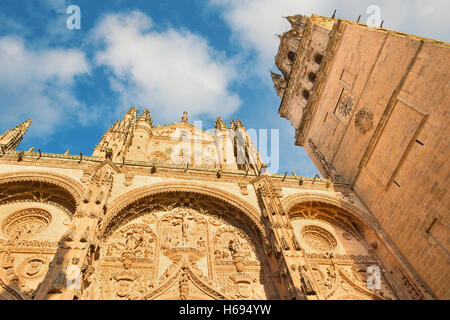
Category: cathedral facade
[176,212]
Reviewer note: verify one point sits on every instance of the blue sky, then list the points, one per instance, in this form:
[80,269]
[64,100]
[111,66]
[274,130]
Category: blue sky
[208,57]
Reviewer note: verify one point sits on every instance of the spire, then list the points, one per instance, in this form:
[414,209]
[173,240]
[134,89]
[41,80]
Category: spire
[220,125]
[145,115]
[240,124]
[184,118]
[279,83]
[11,138]
[118,135]
[233,125]
[298,22]
[132,111]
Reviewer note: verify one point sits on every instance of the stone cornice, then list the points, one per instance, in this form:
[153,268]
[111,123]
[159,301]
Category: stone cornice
[48,160]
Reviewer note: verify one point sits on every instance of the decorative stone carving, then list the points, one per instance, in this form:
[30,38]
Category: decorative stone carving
[132,243]
[58,283]
[318,238]
[232,246]
[296,244]
[279,83]
[220,125]
[364,120]
[243,286]
[125,286]
[108,153]
[70,235]
[329,169]
[346,236]
[183,232]
[345,106]
[184,284]
[306,283]
[243,187]
[85,236]
[184,118]
[33,267]
[26,223]
[128,179]
[215,221]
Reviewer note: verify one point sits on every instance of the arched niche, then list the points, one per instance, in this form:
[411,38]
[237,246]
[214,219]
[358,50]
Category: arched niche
[180,245]
[35,211]
[339,256]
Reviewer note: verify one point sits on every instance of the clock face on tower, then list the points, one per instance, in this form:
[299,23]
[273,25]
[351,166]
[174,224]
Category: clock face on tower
[345,106]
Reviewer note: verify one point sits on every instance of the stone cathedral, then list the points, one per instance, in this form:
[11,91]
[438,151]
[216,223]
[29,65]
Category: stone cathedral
[371,108]
[177,212]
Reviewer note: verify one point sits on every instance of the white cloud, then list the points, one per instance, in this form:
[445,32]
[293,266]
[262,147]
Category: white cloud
[255,22]
[56,5]
[172,70]
[37,83]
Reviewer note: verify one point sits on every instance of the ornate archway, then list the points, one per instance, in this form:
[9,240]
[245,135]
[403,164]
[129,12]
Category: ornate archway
[35,210]
[41,186]
[332,234]
[120,203]
[179,242]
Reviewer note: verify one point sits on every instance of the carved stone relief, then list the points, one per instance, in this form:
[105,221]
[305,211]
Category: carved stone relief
[339,261]
[33,267]
[26,223]
[318,238]
[179,252]
[364,120]
[345,106]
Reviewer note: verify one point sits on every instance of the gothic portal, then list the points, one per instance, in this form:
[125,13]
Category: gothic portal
[176,212]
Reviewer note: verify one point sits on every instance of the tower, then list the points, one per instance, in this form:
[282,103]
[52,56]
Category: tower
[368,105]
[141,137]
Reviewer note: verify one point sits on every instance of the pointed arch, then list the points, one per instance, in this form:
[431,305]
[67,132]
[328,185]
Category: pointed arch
[185,269]
[360,215]
[129,198]
[70,186]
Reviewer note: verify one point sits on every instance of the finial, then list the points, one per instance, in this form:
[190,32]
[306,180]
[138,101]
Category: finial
[12,137]
[334,14]
[239,123]
[145,115]
[132,110]
[184,118]
[277,78]
[24,125]
[109,153]
[297,22]
[220,125]
[233,125]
